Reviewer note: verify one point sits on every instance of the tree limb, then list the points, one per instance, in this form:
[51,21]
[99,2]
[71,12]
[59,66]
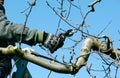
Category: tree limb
[88,45]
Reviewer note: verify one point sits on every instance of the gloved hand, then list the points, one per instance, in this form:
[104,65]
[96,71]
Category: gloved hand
[53,42]
[49,41]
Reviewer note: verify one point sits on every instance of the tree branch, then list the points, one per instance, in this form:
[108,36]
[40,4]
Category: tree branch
[56,66]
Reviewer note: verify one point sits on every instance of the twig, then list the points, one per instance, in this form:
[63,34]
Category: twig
[105,28]
[50,70]
[116,72]
[25,22]
[64,19]
[69,10]
[92,5]
[61,10]
[107,73]
[49,74]
[91,10]
[88,70]
[72,55]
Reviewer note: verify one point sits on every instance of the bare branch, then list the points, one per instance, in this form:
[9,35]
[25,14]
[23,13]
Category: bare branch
[105,28]
[68,68]
[27,16]
[91,10]
[92,5]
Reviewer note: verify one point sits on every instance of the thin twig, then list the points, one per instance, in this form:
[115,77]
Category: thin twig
[25,22]
[50,70]
[116,72]
[91,10]
[105,28]
[59,22]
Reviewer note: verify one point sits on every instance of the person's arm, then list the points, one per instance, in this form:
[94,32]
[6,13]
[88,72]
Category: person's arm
[12,32]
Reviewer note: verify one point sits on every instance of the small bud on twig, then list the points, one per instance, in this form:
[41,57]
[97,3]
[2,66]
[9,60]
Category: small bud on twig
[33,3]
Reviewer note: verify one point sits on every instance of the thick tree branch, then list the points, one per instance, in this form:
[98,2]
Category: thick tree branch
[54,65]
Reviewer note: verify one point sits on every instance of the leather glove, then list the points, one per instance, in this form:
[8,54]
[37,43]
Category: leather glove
[53,42]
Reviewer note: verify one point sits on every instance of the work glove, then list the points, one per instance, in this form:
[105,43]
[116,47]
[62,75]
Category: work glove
[49,41]
[53,42]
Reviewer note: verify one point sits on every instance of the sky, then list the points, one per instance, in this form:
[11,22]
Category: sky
[43,18]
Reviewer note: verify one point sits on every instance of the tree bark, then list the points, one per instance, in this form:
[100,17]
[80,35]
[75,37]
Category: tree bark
[88,45]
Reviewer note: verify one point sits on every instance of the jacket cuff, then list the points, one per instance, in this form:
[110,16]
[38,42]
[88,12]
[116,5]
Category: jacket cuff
[38,38]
